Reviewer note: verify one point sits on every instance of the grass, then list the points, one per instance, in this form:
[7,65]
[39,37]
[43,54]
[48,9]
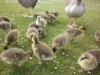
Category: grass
[64,64]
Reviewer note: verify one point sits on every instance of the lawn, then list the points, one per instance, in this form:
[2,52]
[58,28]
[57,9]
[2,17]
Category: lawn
[64,63]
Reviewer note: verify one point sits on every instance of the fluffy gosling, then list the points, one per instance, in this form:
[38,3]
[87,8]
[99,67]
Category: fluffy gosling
[4,25]
[89,60]
[75,32]
[31,30]
[97,36]
[59,41]
[41,50]
[33,24]
[51,18]
[41,21]
[4,18]
[55,13]
[15,56]
[11,37]
[42,32]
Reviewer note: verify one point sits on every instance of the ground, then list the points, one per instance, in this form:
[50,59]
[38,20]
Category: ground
[65,63]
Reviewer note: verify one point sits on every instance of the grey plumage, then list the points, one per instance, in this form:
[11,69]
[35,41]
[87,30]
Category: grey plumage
[74,32]
[41,50]
[59,41]
[33,24]
[75,8]
[40,21]
[97,36]
[31,30]
[4,18]
[28,3]
[4,25]
[15,56]
[42,32]
[11,37]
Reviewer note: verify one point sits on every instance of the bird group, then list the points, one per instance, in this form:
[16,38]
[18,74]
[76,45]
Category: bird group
[88,60]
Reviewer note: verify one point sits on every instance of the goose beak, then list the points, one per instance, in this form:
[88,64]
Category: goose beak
[82,59]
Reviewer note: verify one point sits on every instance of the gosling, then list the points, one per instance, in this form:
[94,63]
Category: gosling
[11,37]
[4,18]
[97,36]
[59,42]
[90,59]
[15,56]
[55,13]
[75,32]
[6,26]
[42,32]
[41,21]
[33,24]
[31,30]
[51,18]
[42,14]
[41,50]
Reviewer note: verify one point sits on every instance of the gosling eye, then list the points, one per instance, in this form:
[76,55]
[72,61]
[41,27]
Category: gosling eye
[85,57]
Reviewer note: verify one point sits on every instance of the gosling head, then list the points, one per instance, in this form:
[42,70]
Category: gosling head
[55,47]
[82,28]
[86,58]
[47,12]
[34,38]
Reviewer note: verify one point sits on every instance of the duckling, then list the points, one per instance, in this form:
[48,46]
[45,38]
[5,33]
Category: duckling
[4,25]
[51,18]
[42,14]
[41,50]
[31,30]
[59,41]
[55,13]
[11,37]
[75,32]
[97,36]
[4,18]
[41,21]
[33,24]
[90,59]
[15,56]
[42,32]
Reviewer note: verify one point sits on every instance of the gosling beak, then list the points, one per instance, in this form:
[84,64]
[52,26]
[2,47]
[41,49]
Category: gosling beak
[81,58]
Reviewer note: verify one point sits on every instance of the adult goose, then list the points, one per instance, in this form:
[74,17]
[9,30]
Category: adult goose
[27,4]
[74,9]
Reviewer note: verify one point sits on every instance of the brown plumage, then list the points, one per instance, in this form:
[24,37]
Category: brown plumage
[31,30]
[59,41]
[33,24]
[27,4]
[51,18]
[55,13]
[89,60]
[15,56]
[41,50]
[42,32]
[4,18]
[75,32]
[4,25]
[11,37]
[97,36]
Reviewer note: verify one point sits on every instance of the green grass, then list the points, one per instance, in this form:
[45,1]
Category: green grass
[63,64]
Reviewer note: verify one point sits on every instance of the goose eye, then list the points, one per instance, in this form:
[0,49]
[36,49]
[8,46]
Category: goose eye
[85,57]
